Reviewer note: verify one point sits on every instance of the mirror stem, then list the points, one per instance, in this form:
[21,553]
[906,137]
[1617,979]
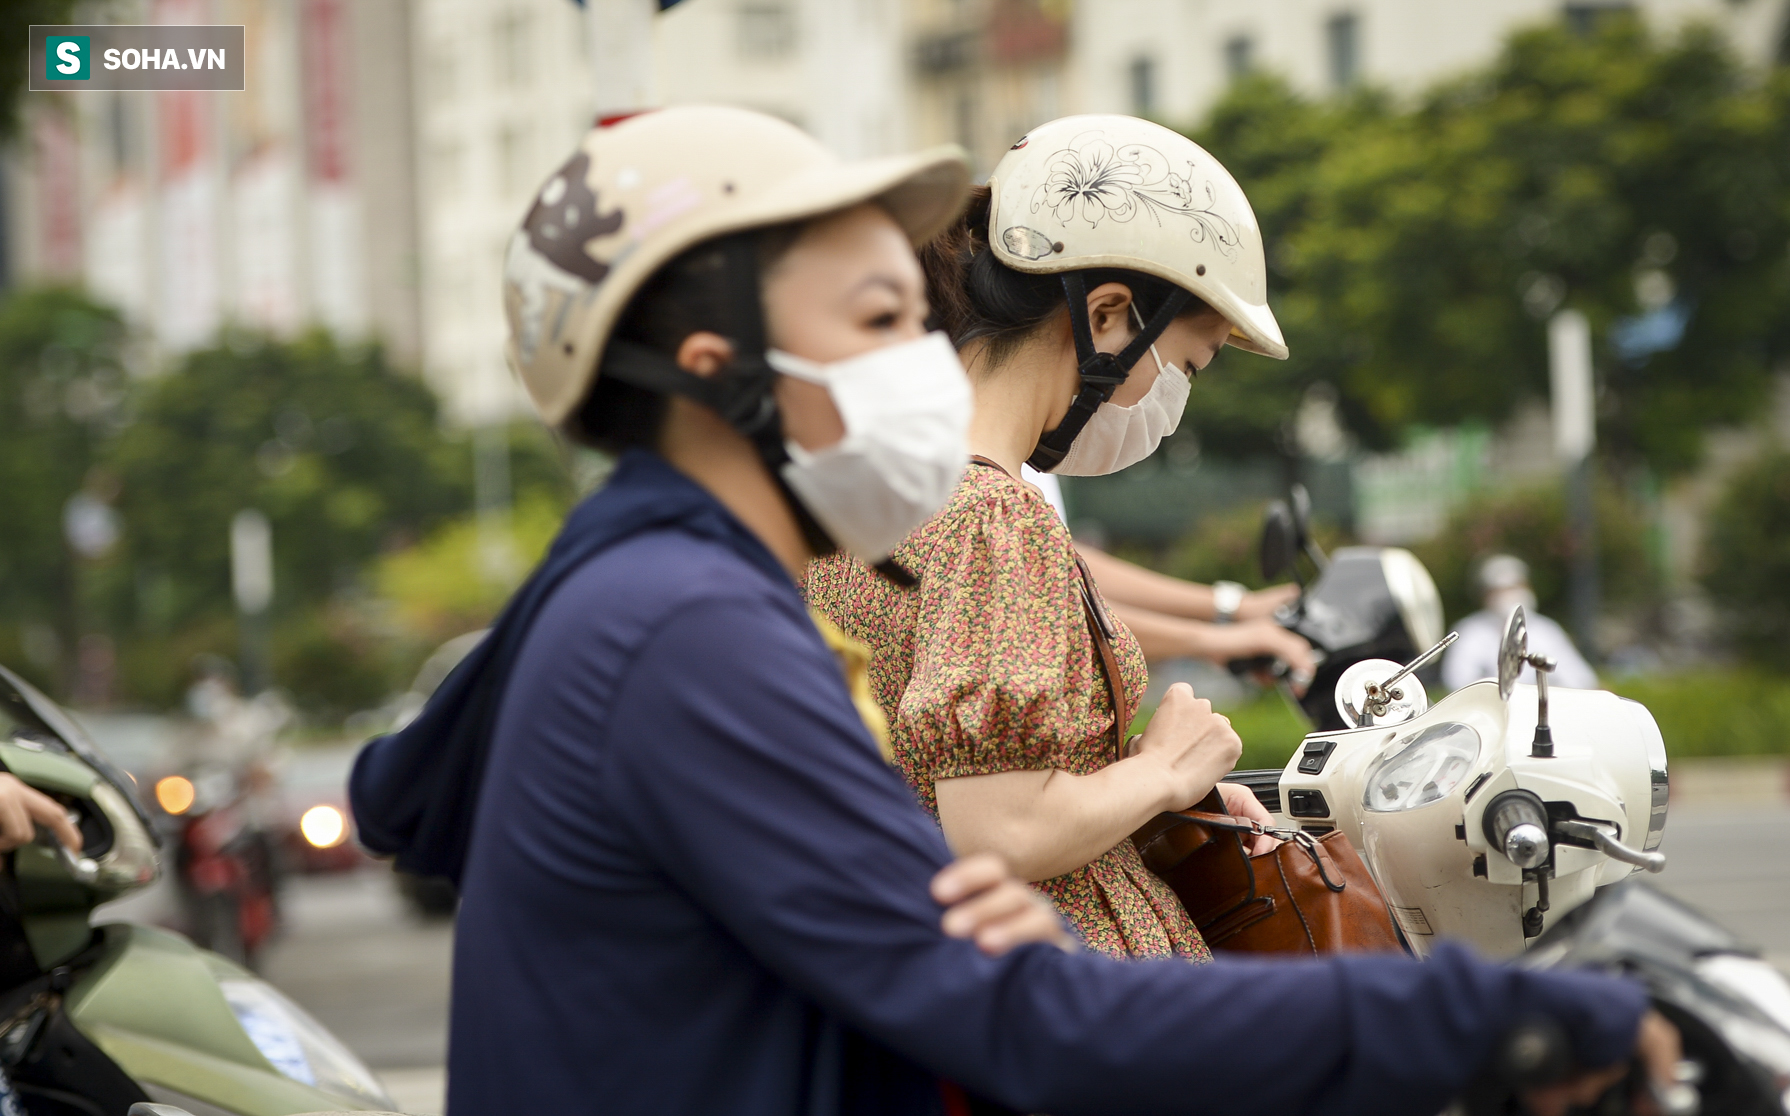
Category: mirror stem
[1543,748]
[1317,556]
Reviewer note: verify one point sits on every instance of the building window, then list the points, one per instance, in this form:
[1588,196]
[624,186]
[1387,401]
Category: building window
[767,32]
[1342,35]
[119,135]
[1239,56]
[1586,19]
[1143,85]
[964,111]
[441,73]
[512,161]
[445,161]
[514,56]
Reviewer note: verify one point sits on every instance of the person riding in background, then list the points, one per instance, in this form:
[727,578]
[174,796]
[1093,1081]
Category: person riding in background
[691,882]
[1106,262]
[1177,619]
[1503,582]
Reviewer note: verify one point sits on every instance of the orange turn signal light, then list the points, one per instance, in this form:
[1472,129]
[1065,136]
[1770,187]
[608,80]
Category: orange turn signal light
[174,793]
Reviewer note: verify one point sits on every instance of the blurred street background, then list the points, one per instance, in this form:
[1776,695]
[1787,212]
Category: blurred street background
[262,465]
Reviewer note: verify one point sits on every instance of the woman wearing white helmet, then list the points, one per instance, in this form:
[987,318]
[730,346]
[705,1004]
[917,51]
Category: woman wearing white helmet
[1107,261]
[689,882]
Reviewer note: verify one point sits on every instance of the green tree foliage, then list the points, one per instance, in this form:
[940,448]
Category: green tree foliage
[340,452]
[1274,143]
[15,42]
[1747,560]
[1416,253]
[62,389]
[1532,524]
[346,457]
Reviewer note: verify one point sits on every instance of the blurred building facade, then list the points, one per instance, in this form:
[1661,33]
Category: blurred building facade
[368,177]
[503,91]
[286,205]
[983,71]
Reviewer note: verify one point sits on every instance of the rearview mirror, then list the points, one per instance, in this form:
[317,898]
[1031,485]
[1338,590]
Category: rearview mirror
[1301,508]
[1513,652]
[1280,542]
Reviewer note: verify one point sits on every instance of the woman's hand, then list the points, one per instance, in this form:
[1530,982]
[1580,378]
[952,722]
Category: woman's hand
[1248,639]
[1261,603]
[1193,746]
[988,905]
[1241,802]
[24,808]
[1657,1047]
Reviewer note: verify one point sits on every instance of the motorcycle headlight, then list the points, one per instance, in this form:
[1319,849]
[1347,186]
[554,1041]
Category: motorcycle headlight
[1421,768]
[298,1046]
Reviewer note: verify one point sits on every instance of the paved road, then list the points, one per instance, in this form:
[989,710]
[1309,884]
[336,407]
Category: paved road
[1733,863]
[377,977]
[373,974]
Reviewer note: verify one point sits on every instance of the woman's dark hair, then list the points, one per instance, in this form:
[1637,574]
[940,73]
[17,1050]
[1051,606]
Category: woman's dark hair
[689,294]
[976,297]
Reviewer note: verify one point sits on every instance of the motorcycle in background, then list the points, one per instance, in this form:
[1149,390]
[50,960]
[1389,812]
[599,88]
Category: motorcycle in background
[1363,602]
[104,1017]
[1731,1008]
[226,865]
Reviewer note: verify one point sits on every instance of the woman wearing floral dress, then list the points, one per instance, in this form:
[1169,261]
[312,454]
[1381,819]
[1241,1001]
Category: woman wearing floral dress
[1108,260]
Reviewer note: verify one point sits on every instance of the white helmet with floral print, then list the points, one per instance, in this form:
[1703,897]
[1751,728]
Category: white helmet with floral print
[1116,191]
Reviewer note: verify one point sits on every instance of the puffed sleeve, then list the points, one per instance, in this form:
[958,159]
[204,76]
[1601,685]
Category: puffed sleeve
[1002,656]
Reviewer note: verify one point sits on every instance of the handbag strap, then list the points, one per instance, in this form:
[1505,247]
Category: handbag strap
[1304,841]
[1100,626]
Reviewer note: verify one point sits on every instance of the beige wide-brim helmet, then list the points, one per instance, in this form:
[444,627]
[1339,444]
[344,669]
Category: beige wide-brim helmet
[638,192]
[1116,191]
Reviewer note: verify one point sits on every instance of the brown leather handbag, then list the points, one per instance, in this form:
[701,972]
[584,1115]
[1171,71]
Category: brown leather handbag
[1309,894]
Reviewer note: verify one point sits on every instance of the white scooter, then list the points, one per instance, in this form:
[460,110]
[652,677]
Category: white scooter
[1488,816]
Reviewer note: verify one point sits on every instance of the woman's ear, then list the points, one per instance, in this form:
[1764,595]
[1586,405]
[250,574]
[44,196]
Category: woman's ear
[1109,316]
[704,353]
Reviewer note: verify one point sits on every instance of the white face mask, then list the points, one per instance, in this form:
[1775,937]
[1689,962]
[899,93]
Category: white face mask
[1118,437]
[907,410]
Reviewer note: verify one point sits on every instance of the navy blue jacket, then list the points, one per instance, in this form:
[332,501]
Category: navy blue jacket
[694,886]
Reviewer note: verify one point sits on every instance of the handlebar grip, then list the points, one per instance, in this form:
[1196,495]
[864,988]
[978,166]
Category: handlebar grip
[1264,784]
[82,869]
[1255,664]
[1532,1054]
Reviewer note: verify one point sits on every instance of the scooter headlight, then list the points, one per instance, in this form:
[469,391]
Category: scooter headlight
[1421,768]
[298,1046]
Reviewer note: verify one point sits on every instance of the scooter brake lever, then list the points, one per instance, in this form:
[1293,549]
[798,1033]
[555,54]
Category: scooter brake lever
[84,869]
[1609,846]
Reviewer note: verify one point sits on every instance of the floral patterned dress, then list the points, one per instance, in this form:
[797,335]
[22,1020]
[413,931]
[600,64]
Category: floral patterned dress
[989,666]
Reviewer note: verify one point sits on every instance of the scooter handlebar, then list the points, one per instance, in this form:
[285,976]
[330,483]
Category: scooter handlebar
[1606,843]
[1538,1052]
[83,869]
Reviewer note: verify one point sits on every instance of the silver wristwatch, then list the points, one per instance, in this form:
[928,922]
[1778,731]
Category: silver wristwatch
[1227,598]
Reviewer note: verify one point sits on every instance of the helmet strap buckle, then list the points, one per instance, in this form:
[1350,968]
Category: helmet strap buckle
[1101,373]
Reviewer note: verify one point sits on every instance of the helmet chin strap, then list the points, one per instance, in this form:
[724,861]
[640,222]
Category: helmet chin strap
[743,394]
[1101,373]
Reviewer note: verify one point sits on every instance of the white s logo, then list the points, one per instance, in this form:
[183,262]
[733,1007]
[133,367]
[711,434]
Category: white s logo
[70,53]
